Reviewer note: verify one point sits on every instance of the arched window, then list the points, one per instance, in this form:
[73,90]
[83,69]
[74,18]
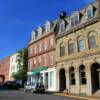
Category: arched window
[82,74]
[92,40]
[33,35]
[62,49]
[89,12]
[72,76]
[70,47]
[81,45]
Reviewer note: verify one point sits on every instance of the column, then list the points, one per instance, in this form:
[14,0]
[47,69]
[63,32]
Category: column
[77,79]
[57,80]
[89,83]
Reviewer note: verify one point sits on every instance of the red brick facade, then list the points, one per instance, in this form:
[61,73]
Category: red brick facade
[46,54]
[4,68]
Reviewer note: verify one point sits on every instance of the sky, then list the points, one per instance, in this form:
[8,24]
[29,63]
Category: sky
[19,17]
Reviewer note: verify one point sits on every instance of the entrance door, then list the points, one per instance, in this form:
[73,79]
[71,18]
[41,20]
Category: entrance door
[46,80]
[95,77]
[62,78]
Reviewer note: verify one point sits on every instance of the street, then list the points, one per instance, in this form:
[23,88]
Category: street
[21,95]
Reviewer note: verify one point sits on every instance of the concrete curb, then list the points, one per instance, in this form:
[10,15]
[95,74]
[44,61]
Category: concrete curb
[78,97]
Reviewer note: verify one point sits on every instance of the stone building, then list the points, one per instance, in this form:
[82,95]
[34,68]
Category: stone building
[78,51]
[41,55]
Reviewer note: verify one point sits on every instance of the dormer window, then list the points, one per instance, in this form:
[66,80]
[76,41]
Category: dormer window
[39,31]
[47,26]
[62,27]
[33,35]
[89,12]
[75,19]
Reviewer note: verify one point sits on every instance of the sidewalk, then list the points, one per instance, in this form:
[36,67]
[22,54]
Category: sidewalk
[78,96]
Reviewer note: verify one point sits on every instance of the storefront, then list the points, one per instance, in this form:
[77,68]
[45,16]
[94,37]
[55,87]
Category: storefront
[45,75]
[49,79]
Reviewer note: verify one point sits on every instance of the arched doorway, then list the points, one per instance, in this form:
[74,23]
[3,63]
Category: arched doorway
[62,78]
[95,77]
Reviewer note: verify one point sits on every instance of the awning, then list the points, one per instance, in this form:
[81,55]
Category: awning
[38,70]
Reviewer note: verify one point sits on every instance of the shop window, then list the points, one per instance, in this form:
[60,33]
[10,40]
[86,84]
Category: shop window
[52,79]
[82,74]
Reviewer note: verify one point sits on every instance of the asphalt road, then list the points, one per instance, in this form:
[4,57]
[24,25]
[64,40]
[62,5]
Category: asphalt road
[21,95]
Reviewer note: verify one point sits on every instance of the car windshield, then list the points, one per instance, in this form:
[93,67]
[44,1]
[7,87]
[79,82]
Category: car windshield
[30,84]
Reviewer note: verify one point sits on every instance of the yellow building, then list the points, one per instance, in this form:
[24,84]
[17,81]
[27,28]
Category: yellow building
[78,51]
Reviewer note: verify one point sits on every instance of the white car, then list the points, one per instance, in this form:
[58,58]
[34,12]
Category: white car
[34,87]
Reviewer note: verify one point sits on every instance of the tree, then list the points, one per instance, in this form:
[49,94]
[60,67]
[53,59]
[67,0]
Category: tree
[22,64]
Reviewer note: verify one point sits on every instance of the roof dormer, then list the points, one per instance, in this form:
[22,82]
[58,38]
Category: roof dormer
[89,12]
[39,30]
[75,18]
[47,26]
[33,35]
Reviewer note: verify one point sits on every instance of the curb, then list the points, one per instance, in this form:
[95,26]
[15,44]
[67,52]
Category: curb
[72,96]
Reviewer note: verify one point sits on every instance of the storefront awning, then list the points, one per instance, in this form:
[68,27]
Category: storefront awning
[38,70]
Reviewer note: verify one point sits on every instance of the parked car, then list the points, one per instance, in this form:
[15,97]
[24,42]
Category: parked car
[34,87]
[11,85]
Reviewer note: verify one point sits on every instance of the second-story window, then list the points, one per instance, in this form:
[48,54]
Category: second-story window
[45,60]
[70,48]
[40,47]
[62,49]
[81,45]
[45,45]
[92,41]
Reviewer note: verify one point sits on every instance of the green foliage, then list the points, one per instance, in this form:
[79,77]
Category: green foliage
[22,64]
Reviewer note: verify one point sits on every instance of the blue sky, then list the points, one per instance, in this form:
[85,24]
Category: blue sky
[19,17]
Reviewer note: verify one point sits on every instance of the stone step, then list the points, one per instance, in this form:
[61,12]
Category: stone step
[97,93]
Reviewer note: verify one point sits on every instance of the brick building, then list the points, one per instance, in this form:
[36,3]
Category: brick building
[4,68]
[41,51]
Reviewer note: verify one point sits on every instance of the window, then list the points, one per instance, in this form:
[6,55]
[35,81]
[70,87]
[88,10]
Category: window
[92,41]
[51,59]
[62,27]
[34,62]
[39,63]
[33,35]
[81,46]
[47,26]
[82,74]
[30,50]
[62,50]
[72,21]
[45,61]
[45,45]
[40,47]
[90,12]
[39,31]
[51,41]
[72,76]
[70,47]
[75,20]
[35,49]
[52,79]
